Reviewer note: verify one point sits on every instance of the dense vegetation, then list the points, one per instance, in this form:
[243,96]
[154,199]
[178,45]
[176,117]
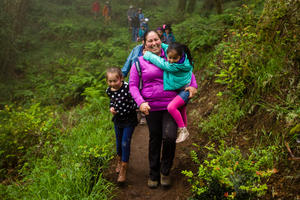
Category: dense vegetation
[56,137]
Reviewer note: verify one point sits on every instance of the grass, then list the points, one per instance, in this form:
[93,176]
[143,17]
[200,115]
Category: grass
[72,166]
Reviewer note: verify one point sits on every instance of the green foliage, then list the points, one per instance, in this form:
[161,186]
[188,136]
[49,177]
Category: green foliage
[72,166]
[57,81]
[253,58]
[227,174]
[8,48]
[223,120]
[295,131]
[294,136]
[200,34]
[97,50]
[23,133]
[69,30]
[64,54]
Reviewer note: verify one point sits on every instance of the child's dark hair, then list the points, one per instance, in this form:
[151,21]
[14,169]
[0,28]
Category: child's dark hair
[115,70]
[181,49]
[168,26]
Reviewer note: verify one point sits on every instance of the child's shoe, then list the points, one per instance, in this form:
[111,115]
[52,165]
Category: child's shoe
[182,134]
[118,167]
[122,174]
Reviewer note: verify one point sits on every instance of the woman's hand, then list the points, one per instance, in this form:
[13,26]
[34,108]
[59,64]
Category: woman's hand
[144,107]
[112,110]
[192,91]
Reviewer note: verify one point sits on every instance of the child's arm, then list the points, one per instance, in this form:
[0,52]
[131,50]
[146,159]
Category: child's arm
[165,65]
[111,104]
[164,47]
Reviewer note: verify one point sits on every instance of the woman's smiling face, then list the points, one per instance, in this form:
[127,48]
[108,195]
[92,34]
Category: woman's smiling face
[153,43]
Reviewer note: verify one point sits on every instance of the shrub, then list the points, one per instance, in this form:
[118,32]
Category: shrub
[228,174]
[24,131]
[225,118]
[254,57]
[71,167]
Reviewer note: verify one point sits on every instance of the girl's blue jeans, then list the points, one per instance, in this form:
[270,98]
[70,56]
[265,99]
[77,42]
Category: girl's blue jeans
[123,140]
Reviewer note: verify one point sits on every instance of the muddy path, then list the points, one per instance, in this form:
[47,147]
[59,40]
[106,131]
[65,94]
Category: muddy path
[137,174]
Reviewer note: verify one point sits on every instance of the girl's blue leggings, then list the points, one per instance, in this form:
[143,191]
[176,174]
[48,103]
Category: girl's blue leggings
[123,140]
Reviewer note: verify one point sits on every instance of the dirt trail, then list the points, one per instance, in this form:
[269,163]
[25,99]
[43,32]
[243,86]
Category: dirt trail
[138,170]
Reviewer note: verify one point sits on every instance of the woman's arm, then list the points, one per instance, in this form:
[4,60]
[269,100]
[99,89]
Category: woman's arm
[164,47]
[165,65]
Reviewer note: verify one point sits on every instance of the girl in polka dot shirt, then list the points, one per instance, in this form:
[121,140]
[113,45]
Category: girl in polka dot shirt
[123,108]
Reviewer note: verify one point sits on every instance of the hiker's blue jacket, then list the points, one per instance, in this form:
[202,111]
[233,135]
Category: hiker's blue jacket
[134,54]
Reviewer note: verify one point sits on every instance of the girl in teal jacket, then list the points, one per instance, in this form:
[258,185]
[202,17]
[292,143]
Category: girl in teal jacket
[177,76]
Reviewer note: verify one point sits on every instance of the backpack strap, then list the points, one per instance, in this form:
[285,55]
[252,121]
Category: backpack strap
[138,68]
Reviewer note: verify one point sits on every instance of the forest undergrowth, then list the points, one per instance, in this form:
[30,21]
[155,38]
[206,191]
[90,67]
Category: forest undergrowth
[56,134]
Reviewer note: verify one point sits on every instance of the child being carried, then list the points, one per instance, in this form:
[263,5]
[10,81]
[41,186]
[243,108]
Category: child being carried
[177,76]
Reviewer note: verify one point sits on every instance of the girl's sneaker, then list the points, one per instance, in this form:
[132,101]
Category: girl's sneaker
[182,134]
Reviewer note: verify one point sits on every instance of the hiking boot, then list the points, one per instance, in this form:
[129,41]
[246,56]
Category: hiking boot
[165,181]
[118,167]
[152,184]
[122,174]
[182,134]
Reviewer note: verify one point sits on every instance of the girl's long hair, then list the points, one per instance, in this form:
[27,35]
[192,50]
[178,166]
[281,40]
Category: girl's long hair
[181,49]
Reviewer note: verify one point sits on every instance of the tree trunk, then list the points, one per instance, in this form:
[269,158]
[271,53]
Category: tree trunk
[13,13]
[219,6]
[181,5]
[21,13]
[191,6]
[208,5]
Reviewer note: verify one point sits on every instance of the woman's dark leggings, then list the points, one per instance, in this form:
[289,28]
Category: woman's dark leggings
[163,133]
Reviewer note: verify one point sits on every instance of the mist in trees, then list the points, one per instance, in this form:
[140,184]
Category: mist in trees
[188,6]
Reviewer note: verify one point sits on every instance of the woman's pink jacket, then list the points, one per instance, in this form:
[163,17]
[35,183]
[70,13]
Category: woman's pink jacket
[152,91]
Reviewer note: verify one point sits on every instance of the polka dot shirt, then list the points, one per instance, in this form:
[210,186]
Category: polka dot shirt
[121,100]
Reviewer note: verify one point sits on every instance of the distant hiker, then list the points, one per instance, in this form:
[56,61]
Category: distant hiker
[135,24]
[145,24]
[106,12]
[130,14]
[123,108]
[153,100]
[142,31]
[169,37]
[160,32]
[96,9]
[141,16]
[177,76]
